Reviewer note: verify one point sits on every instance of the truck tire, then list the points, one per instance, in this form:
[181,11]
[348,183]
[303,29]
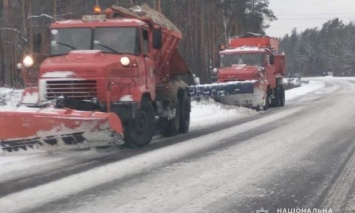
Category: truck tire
[140,130]
[267,102]
[170,127]
[277,101]
[185,108]
[282,96]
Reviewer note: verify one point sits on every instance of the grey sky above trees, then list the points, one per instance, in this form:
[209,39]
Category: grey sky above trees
[303,14]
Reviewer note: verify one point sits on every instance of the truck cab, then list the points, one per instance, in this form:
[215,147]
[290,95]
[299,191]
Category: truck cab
[96,65]
[253,59]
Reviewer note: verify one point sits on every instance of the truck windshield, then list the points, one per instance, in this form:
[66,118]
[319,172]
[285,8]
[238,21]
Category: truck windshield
[108,40]
[65,40]
[117,40]
[252,59]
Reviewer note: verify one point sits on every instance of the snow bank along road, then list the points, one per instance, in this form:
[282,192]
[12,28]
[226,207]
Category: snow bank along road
[300,156]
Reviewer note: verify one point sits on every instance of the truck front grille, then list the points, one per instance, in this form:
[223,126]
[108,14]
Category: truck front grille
[78,89]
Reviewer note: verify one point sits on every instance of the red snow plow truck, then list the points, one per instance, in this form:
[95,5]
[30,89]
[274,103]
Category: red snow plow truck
[250,74]
[108,77]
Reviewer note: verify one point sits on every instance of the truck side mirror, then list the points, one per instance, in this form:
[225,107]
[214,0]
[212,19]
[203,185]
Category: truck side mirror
[157,38]
[37,42]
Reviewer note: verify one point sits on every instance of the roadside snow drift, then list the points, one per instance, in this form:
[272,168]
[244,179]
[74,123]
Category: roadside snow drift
[207,112]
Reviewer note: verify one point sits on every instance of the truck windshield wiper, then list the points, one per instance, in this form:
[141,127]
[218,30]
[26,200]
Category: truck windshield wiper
[109,48]
[67,45]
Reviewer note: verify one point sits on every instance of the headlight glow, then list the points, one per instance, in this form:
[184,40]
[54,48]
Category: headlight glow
[28,61]
[125,61]
[19,66]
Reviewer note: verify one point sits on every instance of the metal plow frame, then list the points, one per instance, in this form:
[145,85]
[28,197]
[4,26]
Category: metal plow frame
[221,89]
[236,93]
[16,145]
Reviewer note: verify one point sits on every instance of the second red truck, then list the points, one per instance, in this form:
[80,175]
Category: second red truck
[250,73]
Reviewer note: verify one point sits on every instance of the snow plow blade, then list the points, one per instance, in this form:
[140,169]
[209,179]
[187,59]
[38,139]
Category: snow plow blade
[221,89]
[52,129]
[238,93]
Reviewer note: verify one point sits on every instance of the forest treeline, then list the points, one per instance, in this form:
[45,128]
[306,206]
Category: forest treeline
[205,25]
[316,52]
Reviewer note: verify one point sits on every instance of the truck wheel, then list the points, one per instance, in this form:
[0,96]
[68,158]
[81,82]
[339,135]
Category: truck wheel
[276,101]
[140,130]
[185,108]
[282,96]
[170,127]
[266,105]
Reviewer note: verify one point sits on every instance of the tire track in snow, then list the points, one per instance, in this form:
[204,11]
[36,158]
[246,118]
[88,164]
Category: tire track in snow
[74,201]
[54,175]
[340,193]
[43,174]
[74,184]
[124,189]
[74,165]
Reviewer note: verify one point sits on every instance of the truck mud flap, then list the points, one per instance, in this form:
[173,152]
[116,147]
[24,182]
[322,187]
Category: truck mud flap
[24,128]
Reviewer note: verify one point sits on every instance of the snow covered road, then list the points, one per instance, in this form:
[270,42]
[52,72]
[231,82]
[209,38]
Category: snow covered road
[233,160]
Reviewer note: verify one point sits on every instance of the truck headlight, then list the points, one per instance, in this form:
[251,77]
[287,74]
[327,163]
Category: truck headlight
[125,61]
[28,61]
[19,66]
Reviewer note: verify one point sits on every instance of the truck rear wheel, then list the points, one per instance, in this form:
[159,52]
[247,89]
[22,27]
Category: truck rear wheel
[170,127]
[140,130]
[279,100]
[282,95]
[185,108]
[267,102]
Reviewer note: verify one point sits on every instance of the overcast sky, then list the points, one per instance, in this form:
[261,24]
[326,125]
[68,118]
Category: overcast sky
[303,14]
